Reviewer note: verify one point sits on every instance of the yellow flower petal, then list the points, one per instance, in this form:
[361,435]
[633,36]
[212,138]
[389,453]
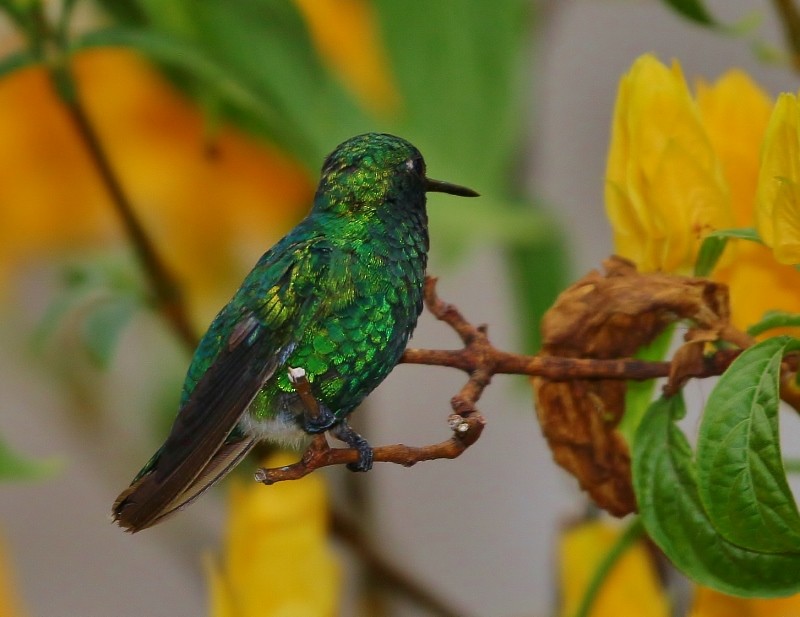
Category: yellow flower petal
[10,604]
[778,193]
[631,588]
[665,189]
[757,284]
[735,113]
[346,34]
[209,214]
[710,603]
[277,561]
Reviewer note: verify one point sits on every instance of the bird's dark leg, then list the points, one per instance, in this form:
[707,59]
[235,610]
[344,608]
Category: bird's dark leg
[343,432]
[318,422]
[316,417]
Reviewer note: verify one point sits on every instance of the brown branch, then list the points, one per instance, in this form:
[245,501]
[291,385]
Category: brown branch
[481,360]
[789,17]
[166,292]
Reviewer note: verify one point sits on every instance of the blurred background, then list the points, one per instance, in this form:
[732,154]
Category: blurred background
[215,118]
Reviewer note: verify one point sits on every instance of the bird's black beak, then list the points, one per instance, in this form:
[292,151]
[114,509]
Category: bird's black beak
[437,186]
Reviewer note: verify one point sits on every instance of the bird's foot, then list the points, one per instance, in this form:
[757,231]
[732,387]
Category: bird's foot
[316,417]
[343,432]
[319,423]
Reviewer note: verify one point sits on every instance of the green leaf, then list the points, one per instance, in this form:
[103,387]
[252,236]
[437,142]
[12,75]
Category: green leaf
[184,55]
[16,467]
[693,10]
[626,540]
[665,482]
[16,61]
[99,297]
[714,245]
[538,270]
[710,251]
[740,471]
[459,65]
[103,325]
[774,319]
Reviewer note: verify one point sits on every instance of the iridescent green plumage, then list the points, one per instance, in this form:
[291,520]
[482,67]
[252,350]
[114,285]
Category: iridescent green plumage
[339,296]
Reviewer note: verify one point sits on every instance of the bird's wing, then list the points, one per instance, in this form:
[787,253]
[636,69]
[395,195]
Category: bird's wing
[200,448]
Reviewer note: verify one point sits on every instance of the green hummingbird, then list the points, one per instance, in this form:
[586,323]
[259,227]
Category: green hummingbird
[338,296]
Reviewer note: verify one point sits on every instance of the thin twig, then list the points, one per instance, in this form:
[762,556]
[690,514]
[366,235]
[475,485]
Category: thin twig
[166,291]
[789,17]
[480,360]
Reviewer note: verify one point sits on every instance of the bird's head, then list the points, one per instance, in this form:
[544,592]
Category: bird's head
[376,170]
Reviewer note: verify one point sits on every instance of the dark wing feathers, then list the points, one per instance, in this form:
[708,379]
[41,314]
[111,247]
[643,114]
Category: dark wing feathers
[282,294]
[217,402]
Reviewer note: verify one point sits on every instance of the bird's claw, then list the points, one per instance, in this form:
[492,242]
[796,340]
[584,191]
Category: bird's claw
[343,432]
[323,421]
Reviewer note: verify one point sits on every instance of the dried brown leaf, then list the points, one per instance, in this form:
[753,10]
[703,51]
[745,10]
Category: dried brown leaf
[607,316]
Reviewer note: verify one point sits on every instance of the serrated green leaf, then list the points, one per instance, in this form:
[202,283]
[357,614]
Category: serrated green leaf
[740,471]
[665,482]
[714,245]
[693,10]
[774,319]
[14,467]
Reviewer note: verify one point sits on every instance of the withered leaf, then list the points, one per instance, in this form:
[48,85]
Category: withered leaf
[609,316]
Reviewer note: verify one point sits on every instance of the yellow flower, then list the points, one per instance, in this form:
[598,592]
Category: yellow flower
[631,588]
[277,561]
[710,603]
[726,126]
[346,34]
[10,604]
[778,193]
[737,113]
[665,189]
[209,214]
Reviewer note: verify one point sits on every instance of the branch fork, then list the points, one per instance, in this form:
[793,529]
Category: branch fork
[466,422]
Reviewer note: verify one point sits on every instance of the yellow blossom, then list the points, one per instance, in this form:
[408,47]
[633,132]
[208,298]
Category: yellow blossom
[209,212]
[631,588]
[710,603]
[778,192]
[346,34]
[276,561]
[10,605]
[735,112]
[665,189]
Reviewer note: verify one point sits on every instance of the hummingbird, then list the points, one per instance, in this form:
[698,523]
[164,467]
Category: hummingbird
[338,296]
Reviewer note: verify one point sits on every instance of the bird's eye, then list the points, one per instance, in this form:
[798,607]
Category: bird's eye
[416,165]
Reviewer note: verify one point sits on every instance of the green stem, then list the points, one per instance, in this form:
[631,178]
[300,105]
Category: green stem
[632,533]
